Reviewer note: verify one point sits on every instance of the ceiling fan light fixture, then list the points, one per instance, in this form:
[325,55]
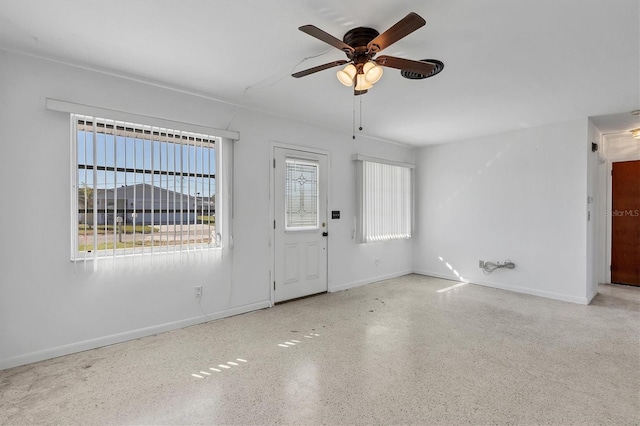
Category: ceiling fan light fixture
[362,83]
[346,75]
[361,45]
[372,72]
[635,133]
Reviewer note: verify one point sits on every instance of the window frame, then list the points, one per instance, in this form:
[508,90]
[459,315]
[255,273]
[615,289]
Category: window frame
[177,129]
[361,235]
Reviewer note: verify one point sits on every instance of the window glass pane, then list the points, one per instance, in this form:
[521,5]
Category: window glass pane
[109,143]
[146,154]
[301,195]
[139,158]
[121,152]
[84,149]
[152,190]
[129,148]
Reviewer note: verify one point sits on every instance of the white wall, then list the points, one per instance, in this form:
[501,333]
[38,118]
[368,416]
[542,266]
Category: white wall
[50,307]
[520,196]
[350,264]
[621,147]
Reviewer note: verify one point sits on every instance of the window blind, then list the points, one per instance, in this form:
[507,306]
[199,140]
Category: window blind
[141,189]
[384,201]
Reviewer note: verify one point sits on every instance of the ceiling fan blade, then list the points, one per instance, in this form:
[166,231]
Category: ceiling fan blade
[319,68]
[316,32]
[401,29]
[419,67]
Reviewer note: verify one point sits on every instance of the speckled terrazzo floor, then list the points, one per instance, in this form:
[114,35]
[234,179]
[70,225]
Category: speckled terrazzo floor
[392,352]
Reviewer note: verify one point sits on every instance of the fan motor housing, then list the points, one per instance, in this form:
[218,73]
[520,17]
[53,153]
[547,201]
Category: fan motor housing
[359,37]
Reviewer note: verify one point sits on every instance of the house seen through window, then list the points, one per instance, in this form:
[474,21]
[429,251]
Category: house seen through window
[140,189]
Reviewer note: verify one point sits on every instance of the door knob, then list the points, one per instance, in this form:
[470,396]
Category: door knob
[324,234]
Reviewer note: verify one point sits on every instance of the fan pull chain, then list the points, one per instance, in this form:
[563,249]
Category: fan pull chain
[360,128]
[354,115]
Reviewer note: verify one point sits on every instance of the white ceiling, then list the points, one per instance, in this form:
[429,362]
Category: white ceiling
[508,64]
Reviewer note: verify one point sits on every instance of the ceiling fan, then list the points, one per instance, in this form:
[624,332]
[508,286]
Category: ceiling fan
[361,45]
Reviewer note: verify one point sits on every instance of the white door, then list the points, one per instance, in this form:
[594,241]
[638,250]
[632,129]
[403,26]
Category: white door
[300,234]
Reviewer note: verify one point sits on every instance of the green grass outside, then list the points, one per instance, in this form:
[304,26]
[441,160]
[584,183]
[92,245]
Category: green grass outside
[206,219]
[108,229]
[131,244]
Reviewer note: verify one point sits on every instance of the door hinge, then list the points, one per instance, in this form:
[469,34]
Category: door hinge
[274,285]
[274,224]
[274,163]
[610,268]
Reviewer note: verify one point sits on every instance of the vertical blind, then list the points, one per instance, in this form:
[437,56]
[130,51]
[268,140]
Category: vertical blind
[385,202]
[141,189]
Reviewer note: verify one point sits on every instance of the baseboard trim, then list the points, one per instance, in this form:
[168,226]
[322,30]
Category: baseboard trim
[437,275]
[370,280]
[591,296]
[531,291]
[84,345]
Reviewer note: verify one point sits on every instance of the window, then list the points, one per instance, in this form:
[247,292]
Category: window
[141,189]
[384,200]
[301,195]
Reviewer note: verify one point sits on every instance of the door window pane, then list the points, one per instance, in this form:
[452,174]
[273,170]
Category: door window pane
[301,195]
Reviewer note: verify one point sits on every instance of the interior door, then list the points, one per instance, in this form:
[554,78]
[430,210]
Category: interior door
[625,223]
[300,234]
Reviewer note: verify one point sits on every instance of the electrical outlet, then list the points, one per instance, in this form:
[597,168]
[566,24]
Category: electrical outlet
[198,291]
[377,261]
[481,263]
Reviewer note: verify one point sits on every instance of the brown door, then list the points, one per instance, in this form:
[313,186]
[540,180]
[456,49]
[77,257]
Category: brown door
[625,223]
